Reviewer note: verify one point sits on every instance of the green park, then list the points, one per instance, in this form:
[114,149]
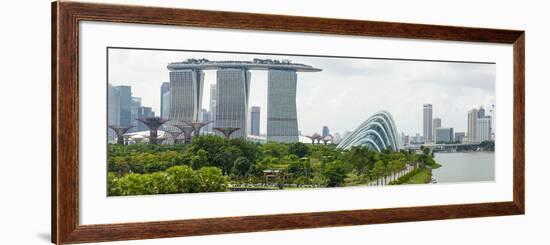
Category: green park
[215,164]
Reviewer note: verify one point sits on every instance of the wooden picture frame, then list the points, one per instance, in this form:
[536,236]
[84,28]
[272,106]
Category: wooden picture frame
[65,121]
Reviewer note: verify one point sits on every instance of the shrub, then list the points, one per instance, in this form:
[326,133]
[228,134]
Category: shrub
[211,179]
[183,179]
[177,179]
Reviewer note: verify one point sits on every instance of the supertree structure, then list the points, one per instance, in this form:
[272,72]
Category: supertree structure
[197,125]
[319,138]
[227,131]
[327,139]
[311,138]
[315,137]
[186,130]
[153,123]
[160,140]
[120,131]
[174,135]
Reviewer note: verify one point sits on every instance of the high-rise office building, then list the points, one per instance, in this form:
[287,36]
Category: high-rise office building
[165,106]
[113,109]
[255,120]
[233,87]
[282,123]
[206,117]
[185,94]
[472,123]
[444,135]
[134,113]
[459,137]
[326,131]
[213,98]
[436,123]
[483,129]
[119,107]
[427,123]
[164,88]
[125,116]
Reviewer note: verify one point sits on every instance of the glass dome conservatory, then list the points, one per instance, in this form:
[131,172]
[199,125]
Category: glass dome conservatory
[378,132]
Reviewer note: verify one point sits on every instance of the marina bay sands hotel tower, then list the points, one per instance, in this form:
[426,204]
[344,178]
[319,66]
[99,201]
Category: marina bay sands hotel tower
[233,92]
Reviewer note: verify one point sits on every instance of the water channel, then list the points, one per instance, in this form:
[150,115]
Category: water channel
[464,167]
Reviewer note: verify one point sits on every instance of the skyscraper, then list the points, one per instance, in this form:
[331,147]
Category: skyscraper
[185,94]
[427,123]
[282,123]
[164,88]
[113,109]
[472,124]
[436,124]
[213,98]
[134,113]
[255,120]
[165,106]
[206,117]
[125,116]
[233,87]
[443,135]
[483,129]
[326,131]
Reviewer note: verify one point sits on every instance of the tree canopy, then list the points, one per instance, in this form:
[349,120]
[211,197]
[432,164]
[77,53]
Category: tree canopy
[211,163]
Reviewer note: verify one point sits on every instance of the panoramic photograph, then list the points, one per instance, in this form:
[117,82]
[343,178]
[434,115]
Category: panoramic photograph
[189,121]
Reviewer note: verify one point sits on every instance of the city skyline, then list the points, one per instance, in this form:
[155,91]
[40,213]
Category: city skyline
[253,124]
[341,85]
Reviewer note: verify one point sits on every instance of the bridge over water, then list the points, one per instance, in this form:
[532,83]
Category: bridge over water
[446,147]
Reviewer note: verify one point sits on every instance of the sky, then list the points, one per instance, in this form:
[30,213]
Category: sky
[347,92]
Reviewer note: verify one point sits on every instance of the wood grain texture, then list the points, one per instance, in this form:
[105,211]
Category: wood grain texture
[65,19]
[65,148]
[149,230]
[234,20]
[519,122]
[53,101]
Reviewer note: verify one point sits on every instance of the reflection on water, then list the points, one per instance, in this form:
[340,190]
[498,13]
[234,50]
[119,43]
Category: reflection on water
[464,167]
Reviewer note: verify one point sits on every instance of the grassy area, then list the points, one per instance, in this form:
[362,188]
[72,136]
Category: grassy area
[422,177]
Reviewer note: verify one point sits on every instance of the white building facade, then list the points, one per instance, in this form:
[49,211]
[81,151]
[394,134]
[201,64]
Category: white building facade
[483,129]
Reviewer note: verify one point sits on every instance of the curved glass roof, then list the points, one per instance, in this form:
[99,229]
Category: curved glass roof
[378,132]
